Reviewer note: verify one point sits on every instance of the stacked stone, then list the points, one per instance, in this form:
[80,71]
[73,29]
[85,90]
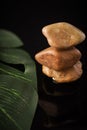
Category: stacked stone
[61,60]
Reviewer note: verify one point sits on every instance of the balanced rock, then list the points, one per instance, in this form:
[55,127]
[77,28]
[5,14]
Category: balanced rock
[64,76]
[63,35]
[61,61]
[58,60]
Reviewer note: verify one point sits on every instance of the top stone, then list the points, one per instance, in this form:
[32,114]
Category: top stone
[63,35]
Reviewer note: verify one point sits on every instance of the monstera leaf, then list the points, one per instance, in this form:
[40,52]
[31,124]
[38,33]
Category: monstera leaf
[18,87]
[9,39]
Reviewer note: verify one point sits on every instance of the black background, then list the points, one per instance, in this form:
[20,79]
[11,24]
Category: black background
[26,19]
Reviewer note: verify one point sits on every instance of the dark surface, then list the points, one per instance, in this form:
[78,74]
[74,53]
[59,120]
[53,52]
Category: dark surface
[38,123]
[64,111]
[27,20]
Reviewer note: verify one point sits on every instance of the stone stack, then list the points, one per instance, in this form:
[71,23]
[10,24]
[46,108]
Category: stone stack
[61,60]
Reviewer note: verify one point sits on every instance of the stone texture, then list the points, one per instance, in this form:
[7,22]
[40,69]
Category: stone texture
[58,60]
[63,35]
[63,76]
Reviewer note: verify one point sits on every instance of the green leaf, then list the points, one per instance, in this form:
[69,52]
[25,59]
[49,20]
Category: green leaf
[18,103]
[4,69]
[19,56]
[9,39]
[18,89]
[14,56]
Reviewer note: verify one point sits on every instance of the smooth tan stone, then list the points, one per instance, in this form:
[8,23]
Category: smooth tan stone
[56,59]
[68,75]
[63,35]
